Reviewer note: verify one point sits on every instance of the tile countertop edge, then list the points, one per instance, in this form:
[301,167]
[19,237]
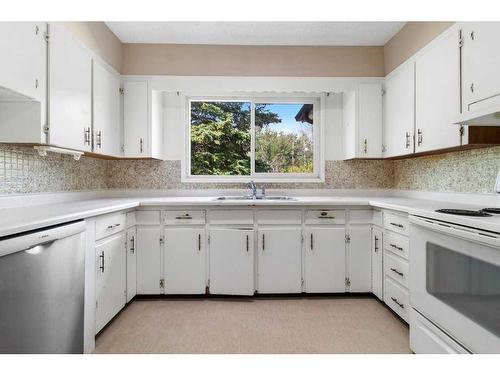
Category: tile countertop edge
[70,211]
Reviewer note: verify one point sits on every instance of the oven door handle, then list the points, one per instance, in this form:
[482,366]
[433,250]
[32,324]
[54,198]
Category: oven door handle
[469,234]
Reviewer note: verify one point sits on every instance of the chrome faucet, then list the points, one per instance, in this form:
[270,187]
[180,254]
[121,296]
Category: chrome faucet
[253,189]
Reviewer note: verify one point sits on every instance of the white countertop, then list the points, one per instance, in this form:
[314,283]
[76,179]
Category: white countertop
[20,219]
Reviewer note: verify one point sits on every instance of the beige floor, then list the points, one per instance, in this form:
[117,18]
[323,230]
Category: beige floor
[255,325]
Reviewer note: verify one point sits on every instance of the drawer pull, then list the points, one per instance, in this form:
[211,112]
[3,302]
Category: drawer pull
[396,271]
[184,217]
[398,225]
[326,217]
[398,303]
[132,244]
[113,226]
[396,247]
[102,261]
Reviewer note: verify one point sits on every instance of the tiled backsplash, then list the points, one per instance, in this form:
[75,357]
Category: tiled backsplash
[22,170]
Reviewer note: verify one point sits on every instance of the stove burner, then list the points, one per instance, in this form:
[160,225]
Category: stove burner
[494,210]
[463,212]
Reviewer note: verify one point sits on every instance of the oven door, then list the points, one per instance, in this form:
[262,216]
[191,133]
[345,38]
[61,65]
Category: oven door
[455,281]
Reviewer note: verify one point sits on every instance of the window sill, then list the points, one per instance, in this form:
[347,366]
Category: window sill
[246,179]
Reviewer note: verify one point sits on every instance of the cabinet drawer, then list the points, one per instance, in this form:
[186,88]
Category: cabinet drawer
[396,223]
[396,268]
[397,298]
[107,225]
[279,217]
[325,217]
[236,217]
[398,244]
[360,216]
[183,217]
[147,217]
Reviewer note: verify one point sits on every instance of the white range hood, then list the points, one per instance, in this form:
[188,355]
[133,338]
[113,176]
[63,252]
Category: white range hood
[483,116]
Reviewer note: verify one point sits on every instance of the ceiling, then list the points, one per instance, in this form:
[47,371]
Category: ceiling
[258,33]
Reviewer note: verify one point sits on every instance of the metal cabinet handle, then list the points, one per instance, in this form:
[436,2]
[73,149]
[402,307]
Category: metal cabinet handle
[396,247]
[312,242]
[472,87]
[407,145]
[184,217]
[376,244]
[141,145]
[326,217]
[397,225]
[199,242]
[247,244]
[102,261]
[86,136]
[396,271]
[113,226]
[398,303]
[420,137]
[98,139]
[365,145]
[132,243]
[263,242]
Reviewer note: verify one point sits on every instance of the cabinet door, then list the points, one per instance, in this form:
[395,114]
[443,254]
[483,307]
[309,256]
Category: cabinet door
[105,110]
[24,58]
[279,260]
[70,91]
[110,279]
[184,261]
[131,263]
[480,62]
[377,265]
[135,119]
[369,140]
[399,112]
[359,250]
[148,252]
[232,261]
[437,103]
[324,260]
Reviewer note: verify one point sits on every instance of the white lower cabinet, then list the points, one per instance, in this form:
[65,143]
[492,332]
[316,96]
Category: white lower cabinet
[232,261]
[377,263]
[131,263]
[184,260]
[110,278]
[149,248]
[324,255]
[360,263]
[279,260]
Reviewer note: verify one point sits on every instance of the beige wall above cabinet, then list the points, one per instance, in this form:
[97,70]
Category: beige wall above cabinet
[142,121]
[362,121]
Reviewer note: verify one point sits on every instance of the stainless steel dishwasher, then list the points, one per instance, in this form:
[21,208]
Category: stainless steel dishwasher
[42,290]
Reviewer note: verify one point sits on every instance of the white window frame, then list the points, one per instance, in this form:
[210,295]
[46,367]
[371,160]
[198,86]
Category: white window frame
[318,174]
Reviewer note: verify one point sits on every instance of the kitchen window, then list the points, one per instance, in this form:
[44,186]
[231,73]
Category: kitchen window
[238,139]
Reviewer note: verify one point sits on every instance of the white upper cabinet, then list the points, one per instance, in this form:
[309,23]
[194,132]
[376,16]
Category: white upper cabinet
[362,121]
[105,110]
[399,111]
[70,91]
[142,120]
[437,102]
[480,65]
[24,58]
